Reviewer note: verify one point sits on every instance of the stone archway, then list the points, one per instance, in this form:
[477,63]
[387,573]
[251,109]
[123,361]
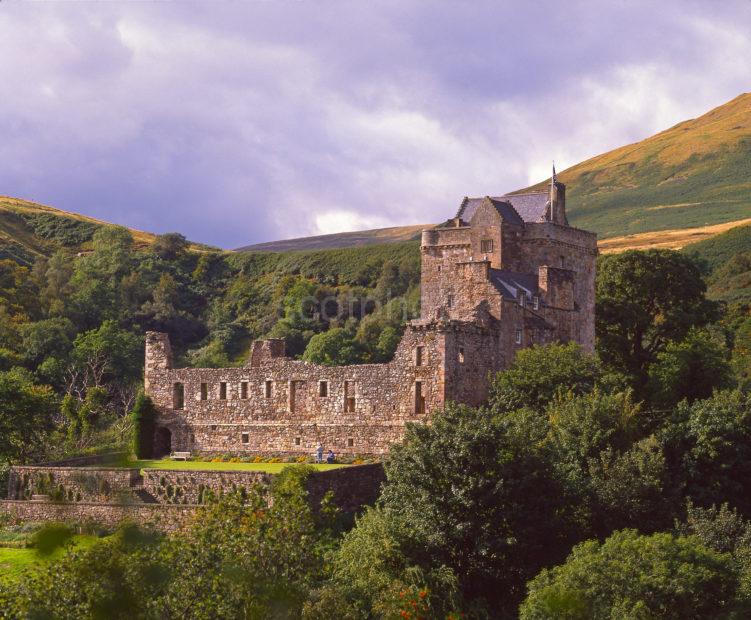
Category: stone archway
[162,442]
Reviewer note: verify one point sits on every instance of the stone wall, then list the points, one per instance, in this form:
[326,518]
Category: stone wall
[352,487]
[164,517]
[71,484]
[170,486]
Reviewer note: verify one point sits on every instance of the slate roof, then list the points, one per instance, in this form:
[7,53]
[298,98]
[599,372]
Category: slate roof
[516,208]
[509,283]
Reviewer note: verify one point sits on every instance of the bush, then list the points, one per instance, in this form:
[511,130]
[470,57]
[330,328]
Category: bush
[143,414]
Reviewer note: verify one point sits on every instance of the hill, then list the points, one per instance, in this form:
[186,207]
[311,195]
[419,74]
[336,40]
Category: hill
[695,174]
[29,230]
[341,240]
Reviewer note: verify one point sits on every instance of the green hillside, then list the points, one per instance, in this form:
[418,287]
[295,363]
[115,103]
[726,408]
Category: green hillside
[29,230]
[728,260]
[695,174]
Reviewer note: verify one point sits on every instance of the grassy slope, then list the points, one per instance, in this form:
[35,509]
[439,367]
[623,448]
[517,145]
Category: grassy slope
[695,174]
[23,236]
[14,563]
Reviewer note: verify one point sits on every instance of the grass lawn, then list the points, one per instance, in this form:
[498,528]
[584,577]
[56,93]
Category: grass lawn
[269,468]
[15,562]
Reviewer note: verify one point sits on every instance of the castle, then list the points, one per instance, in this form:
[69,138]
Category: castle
[505,273]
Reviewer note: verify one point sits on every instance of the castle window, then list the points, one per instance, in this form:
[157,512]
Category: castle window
[223,390]
[243,389]
[192,438]
[439,269]
[536,302]
[419,399]
[563,262]
[518,336]
[267,389]
[486,246]
[245,437]
[460,356]
[297,441]
[292,393]
[323,389]
[450,301]
[178,396]
[213,427]
[204,391]
[350,442]
[418,356]
[349,396]
[522,298]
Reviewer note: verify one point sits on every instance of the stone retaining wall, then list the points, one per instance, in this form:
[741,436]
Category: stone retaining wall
[164,517]
[71,484]
[353,487]
[170,486]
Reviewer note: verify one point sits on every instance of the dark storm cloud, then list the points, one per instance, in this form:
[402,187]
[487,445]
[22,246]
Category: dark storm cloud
[239,122]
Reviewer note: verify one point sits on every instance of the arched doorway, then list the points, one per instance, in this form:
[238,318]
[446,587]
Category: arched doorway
[162,442]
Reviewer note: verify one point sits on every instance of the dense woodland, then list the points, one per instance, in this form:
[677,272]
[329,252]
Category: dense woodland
[607,486]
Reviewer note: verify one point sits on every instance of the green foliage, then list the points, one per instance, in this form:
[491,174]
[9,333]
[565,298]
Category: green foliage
[538,372]
[690,369]
[143,416]
[633,576]
[64,230]
[449,480]
[335,347]
[51,537]
[25,414]
[644,301]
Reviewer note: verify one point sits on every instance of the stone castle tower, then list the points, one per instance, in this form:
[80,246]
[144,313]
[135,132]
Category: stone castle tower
[506,272]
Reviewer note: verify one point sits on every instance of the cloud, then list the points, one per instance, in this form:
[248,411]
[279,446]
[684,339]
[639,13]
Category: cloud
[238,123]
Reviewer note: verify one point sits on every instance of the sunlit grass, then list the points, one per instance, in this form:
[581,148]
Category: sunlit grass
[14,563]
[269,468]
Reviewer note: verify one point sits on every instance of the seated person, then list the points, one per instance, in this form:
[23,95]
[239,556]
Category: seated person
[330,457]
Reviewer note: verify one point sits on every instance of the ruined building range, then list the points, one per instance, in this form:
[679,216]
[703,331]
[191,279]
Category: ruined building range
[505,273]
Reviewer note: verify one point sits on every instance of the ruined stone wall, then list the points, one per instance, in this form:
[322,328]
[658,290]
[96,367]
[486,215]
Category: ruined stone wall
[71,484]
[284,407]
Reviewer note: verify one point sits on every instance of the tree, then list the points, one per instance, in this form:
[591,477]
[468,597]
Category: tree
[539,372]
[142,415]
[26,411]
[169,246]
[476,502]
[644,300]
[334,347]
[690,369]
[634,576]
[708,447]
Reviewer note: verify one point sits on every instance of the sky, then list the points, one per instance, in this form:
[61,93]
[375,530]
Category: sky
[241,122]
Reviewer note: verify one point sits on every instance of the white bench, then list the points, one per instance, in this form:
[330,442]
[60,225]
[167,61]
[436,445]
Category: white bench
[180,456]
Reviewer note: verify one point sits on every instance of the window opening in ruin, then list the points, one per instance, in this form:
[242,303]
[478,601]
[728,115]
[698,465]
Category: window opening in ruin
[522,298]
[486,246]
[267,389]
[204,391]
[292,390]
[518,336]
[213,427]
[297,441]
[563,262]
[350,442]
[349,396]
[439,269]
[450,301]
[536,302]
[178,396]
[323,389]
[419,399]
[243,389]
[246,437]
[223,390]
[418,356]
[192,438]
[461,355]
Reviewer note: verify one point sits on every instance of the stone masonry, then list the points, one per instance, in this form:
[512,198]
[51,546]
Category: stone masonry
[505,273]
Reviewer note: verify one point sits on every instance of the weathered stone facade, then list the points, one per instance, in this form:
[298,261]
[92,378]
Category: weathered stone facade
[505,273]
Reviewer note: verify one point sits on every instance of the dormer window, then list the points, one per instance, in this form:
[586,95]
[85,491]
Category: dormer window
[486,246]
[522,298]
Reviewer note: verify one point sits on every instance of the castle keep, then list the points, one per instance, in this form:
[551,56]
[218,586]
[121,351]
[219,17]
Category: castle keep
[505,273]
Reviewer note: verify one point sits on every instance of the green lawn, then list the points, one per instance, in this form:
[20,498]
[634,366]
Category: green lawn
[15,562]
[269,468]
